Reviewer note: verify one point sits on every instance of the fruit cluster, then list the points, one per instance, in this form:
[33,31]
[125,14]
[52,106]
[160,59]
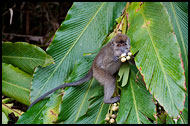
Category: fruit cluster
[111,116]
[124,57]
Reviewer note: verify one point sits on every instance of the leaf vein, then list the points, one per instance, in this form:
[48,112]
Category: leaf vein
[135,103]
[16,86]
[158,57]
[77,114]
[74,43]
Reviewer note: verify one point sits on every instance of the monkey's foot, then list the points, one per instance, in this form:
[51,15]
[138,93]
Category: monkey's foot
[112,100]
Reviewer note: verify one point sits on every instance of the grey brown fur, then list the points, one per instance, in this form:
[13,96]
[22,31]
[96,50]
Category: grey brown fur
[105,64]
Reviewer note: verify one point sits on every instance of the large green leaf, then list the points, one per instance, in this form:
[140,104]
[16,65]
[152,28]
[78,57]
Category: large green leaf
[16,83]
[25,56]
[136,104]
[178,12]
[85,27]
[158,58]
[96,112]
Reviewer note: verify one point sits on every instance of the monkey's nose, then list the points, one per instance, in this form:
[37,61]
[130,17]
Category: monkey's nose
[123,50]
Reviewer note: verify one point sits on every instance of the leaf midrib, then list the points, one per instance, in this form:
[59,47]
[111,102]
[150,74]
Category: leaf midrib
[39,112]
[157,54]
[15,85]
[84,99]
[135,103]
[18,57]
[74,43]
[99,112]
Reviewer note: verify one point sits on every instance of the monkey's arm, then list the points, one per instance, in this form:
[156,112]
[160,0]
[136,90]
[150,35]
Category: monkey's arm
[84,79]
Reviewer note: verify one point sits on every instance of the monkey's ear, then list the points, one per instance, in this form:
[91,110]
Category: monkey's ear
[128,41]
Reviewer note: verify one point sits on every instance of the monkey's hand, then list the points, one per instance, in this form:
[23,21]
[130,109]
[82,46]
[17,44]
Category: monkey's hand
[115,58]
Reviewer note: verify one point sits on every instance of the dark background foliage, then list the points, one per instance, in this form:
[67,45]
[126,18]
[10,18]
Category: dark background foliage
[32,22]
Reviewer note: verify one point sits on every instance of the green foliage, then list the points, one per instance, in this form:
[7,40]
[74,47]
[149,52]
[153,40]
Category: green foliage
[16,83]
[136,104]
[7,109]
[158,58]
[34,115]
[158,41]
[124,74]
[97,110]
[183,117]
[25,56]
[179,19]
[4,118]
[44,112]
[50,114]
[85,27]
[19,60]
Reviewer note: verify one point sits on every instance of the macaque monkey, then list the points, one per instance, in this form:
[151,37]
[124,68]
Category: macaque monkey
[105,64]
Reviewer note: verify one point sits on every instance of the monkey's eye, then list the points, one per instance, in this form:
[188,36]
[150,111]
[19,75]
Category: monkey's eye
[118,45]
[123,44]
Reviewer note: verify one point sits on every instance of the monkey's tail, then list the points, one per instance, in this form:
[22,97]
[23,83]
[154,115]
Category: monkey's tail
[82,80]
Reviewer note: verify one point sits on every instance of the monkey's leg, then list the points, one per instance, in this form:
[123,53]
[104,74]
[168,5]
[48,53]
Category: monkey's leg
[108,81]
[108,92]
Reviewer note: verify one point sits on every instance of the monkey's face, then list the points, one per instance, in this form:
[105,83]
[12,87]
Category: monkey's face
[121,45]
